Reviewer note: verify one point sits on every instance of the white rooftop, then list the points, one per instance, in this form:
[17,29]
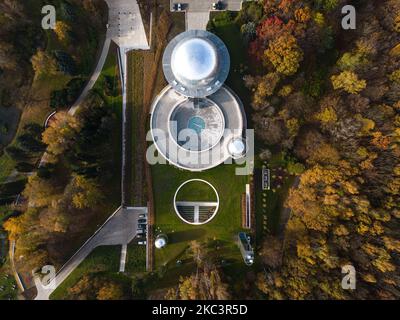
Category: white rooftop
[160,243]
[237,147]
[194,60]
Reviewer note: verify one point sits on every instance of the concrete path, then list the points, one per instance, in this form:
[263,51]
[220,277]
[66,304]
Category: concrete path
[126,29]
[95,75]
[122,262]
[119,229]
[197,20]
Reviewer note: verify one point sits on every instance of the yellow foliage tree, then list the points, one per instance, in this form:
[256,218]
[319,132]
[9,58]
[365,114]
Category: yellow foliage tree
[349,82]
[62,31]
[327,115]
[284,54]
[302,14]
[43,64]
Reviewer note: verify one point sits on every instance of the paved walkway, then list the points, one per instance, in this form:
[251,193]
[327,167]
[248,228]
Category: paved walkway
[197,20]
[126,29]
[119,229]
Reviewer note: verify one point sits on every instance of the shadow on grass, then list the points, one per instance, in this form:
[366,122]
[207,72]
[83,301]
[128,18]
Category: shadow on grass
[187,235]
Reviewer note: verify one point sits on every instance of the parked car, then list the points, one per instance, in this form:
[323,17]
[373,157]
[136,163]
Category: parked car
[141,236]
[142,226]
[142,221]
[142,243]
[217,5]
[141,231]
[178,7]
[142,216]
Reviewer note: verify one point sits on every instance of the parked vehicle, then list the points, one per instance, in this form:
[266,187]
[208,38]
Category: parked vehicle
[178,7]
[142,221]
[142,243]
[142,226]
[142,216]
[217,5]
[141,231]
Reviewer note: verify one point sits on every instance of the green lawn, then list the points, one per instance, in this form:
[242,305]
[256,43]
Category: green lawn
[7,281]
[136,259]
[102,259]
[7,165]
[166,179]
[270,203]
[196,191]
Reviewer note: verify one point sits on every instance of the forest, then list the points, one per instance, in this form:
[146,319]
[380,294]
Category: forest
[330,98]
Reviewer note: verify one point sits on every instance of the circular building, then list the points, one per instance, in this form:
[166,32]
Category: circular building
[196,202]
[195,134]
[196,63]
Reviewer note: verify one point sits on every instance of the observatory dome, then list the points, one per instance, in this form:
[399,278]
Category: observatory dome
[237,148]
[196,63]
[194,60]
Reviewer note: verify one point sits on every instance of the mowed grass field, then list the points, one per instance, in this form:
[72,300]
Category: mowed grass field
[196,191]
[224,227]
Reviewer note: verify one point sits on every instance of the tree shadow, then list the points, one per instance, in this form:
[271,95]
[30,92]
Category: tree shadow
[188,235]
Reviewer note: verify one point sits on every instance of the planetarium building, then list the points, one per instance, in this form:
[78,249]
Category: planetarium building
[197,122]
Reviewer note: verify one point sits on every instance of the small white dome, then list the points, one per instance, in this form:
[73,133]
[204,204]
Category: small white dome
[160,243]
[194,60]
[236,148]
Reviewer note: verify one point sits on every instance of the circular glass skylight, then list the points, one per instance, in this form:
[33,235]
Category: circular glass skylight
[194,60]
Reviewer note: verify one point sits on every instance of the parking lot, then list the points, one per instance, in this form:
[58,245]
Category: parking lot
[206,5]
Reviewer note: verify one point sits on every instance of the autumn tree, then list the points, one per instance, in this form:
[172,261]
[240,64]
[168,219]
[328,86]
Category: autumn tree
[43,64]
[284,54]
[63,31]
[349,82]
[60,135]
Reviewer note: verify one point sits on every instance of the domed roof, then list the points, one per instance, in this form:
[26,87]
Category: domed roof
[194,60]
[160,242]
[237,147]
[196,63]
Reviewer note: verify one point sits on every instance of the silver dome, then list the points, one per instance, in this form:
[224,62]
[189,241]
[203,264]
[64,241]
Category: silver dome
[196,63]
[194,60]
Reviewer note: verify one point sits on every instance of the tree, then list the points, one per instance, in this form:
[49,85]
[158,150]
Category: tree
[110,291]
[327,115]
[86,193]
[303,15]
[60,134]
[63,31]
[43,64]
[285,54]
[40,192]
[271,252]
[348,81]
